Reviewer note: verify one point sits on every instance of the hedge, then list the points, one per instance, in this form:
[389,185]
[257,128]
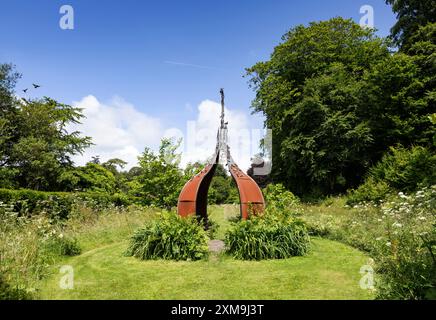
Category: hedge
[57,204]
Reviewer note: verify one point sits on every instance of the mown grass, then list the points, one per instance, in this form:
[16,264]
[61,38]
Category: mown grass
[329,271]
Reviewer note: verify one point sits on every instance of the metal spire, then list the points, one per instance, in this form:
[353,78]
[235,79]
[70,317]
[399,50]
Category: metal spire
[222,145]
[222,107]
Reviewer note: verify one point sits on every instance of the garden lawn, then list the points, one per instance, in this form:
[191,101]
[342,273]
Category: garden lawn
[330,271]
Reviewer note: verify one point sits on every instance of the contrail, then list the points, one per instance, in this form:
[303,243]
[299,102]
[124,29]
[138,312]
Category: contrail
[188,65]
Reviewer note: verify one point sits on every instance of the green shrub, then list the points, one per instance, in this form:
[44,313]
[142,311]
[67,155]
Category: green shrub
[399,170]
[58,204]
[369,191]
[406,169]
[267,237]
[63,246]
[277,196]
[169,237]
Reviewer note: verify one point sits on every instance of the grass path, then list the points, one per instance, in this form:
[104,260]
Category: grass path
[329,271]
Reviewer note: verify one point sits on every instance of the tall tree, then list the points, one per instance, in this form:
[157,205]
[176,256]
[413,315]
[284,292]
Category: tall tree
[44,147]
[8,110]
[35,147]
[336,99]
[411,15]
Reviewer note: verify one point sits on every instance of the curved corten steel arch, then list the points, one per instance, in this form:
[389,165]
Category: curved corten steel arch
[250,196]
[193,197]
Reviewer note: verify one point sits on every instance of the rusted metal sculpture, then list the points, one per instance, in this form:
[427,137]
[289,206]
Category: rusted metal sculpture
[193,197]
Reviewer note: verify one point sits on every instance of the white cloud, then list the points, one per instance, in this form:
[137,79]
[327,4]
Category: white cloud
[117,128]
[200,135]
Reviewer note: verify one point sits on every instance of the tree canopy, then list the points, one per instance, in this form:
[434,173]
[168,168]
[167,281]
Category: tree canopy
[336,98]
[411,15]
[35,146]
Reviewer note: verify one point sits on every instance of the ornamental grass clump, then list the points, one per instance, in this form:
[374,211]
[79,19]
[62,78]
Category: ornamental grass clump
[169,237]
[267,237]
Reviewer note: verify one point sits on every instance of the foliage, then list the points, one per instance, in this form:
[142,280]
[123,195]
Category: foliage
[91,177]
[401,170]
[222,188]
[35,145]
[219,190]
[42,148]
[27,247]
[8,120]
[336,99]
[370,191]
[411,14]
[278,197]
[406,169]
[169,237]
[406,252]
[267,237]
[159,179]
[57,205]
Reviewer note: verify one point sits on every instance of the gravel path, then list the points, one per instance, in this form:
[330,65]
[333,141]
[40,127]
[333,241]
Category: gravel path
[216,246]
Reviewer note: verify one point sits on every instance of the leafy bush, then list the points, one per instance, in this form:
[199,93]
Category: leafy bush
[169,237]
[277,195]
[267,237]
[369,191]
[159,179]
[402,170]
[406,169]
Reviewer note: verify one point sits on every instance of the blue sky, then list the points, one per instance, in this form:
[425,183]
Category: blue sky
[164,58]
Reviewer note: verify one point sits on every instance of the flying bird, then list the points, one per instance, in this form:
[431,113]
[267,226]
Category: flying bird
[35,86]
[25,90]
[27,102]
